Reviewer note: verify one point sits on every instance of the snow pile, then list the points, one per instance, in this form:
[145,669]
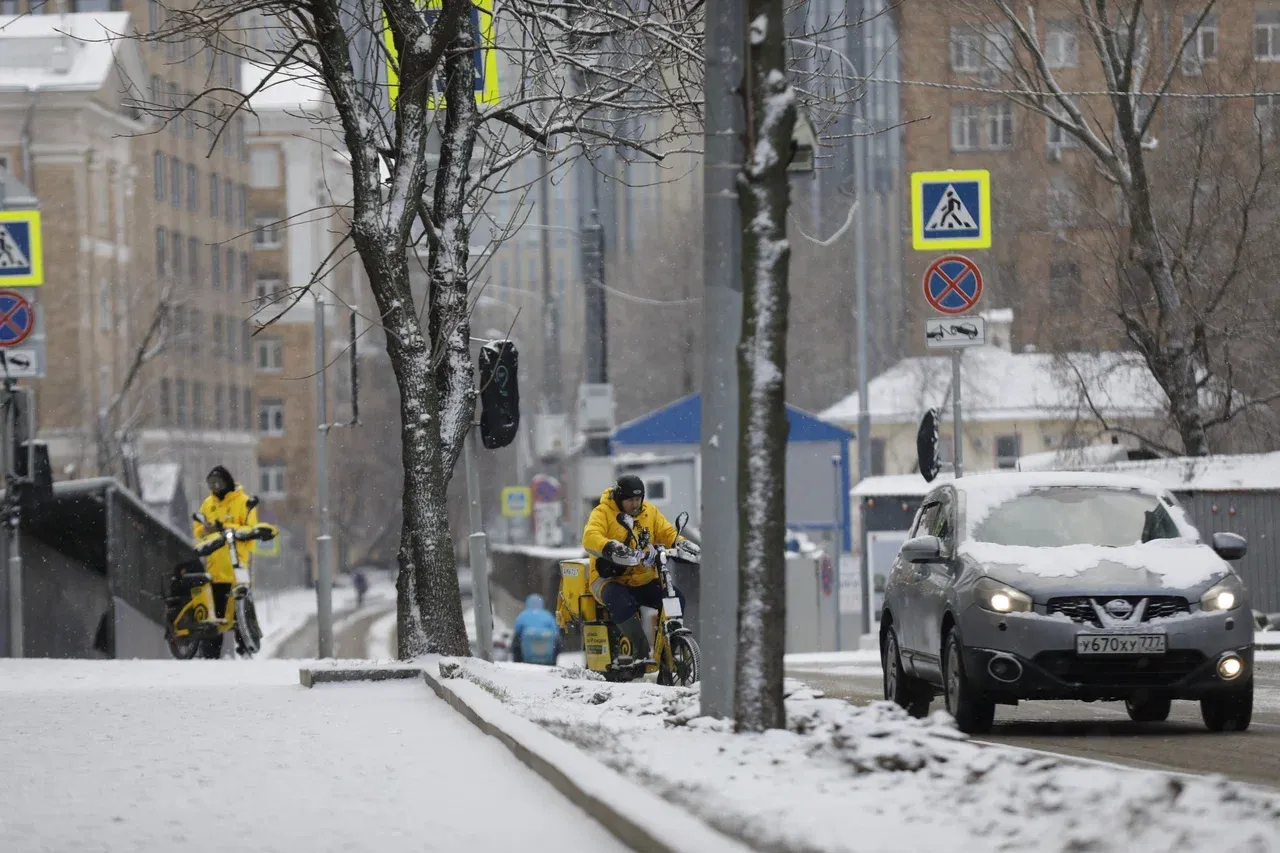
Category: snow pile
[1177,563]
[872,779]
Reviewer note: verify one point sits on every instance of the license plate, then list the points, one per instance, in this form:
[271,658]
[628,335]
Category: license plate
[1120,644]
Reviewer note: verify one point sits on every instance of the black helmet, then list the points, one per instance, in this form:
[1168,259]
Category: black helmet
[629,486]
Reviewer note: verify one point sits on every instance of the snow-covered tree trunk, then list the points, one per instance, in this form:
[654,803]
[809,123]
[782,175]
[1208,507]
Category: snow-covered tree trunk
[763,198]
[428,603]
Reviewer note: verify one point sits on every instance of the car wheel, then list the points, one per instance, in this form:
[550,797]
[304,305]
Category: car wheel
[1151,709]
[1228,711]
[899,687]
[973,711]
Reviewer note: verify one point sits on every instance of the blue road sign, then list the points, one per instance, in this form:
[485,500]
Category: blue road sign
[951,210]
[952,284]
[17,318]
[21,254]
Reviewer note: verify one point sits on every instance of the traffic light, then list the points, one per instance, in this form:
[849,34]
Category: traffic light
[499,394]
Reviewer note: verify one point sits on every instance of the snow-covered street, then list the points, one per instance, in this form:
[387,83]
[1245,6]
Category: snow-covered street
[123,756]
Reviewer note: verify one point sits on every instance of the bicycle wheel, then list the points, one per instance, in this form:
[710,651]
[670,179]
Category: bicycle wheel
[247,639]
[184,648]
[685,659]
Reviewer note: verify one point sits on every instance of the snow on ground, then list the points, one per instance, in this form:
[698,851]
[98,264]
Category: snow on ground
[381,642]
[873,780]
[210,756]
[282,613]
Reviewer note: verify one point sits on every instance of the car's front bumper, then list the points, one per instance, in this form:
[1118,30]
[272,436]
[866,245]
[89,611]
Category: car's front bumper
[1047,666]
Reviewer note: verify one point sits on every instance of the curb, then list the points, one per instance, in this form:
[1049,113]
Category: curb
[311,676]
[630,812]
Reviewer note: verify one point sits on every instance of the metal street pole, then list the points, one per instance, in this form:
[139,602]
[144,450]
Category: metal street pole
[722,318]
[324,542]
[596,351]
[861,167]
[478,550]
[839,540]
[957,426]
[13,519]
[551,383]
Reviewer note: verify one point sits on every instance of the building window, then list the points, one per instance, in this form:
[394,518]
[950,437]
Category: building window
[1064,284]
[246,350]
[213,195]
[166,403]
[1061,48]
[228,203]
[215,266]
[966,49]
[1060,203]
[245,284]
[217,336]
[157,174]
[219,400]
[271,417]
[1008,449]
[231,338]
[161,261]
[966,127]
[1266,114]
[180,402]
[197,330]
[233,407]
[1000,126]
[231,269]
[264,167]
[247,408]
[270,354]
[175,263]
[193,261]
[197,404]
[1203,46]
[242,206]
[271,481]
[153,14]
[1266,36]
[193,187]
[175,182]
[266,289]
[983,49]
[266,232]
[1056,136]
[106,307]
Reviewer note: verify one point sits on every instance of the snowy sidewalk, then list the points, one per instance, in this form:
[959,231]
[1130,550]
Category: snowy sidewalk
[140,756]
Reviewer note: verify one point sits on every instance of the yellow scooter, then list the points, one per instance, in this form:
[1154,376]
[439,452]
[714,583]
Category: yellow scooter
[675,652]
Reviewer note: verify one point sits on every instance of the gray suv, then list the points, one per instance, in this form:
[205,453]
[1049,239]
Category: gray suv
[1065,586]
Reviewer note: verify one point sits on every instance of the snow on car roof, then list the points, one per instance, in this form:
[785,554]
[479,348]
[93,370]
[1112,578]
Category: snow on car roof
[1021,481]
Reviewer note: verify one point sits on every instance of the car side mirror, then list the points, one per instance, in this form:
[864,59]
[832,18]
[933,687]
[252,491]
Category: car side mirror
[681,520]
[1230,546]
[922,549]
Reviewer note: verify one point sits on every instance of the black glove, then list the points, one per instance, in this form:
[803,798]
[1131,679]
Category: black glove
[266,534]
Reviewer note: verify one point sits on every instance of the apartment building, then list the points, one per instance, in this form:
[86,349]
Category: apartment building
[1057,224]
[298,180]
[143,224]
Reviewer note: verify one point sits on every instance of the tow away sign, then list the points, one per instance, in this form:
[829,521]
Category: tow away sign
[955,332]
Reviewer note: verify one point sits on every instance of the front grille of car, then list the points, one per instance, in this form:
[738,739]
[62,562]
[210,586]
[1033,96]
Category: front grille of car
[1139,671]
[1080,608]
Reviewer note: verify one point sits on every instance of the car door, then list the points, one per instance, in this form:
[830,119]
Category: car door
[935,583]
[909,615]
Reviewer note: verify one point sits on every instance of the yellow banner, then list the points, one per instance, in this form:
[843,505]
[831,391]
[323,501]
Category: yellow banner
[486,54]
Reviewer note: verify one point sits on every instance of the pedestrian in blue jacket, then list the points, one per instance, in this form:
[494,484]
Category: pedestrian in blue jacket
[535,638]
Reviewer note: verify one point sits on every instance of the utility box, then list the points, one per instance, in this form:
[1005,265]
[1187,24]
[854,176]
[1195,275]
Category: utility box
[596,407]
[550,436]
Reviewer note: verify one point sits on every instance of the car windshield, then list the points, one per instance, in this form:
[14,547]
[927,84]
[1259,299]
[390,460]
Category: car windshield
[1052,517]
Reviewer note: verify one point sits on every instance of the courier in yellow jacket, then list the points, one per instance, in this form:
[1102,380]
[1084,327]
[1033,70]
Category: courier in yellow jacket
[625,589]
[228,504]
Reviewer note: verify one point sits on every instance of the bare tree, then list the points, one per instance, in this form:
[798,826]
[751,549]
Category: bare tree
[764,196]
[1172,279]
[421,169]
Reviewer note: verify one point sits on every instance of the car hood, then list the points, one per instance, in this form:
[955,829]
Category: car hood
[1162,567]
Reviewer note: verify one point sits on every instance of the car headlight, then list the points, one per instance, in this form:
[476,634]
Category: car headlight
[1002,598]
[1228,594]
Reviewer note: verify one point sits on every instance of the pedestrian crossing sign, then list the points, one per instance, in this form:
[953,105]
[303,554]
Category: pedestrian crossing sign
[951,210]
[484,56]
[21,253]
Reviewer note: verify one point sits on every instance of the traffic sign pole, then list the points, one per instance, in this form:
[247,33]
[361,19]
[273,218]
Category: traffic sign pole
[957,424]
[478,550]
